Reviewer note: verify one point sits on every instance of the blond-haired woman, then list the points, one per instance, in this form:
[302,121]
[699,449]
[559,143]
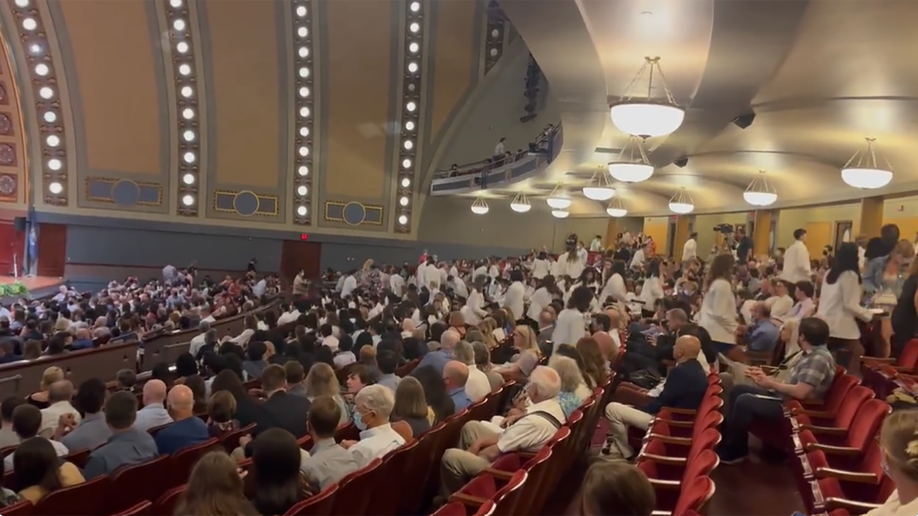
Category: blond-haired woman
[574,389]
[884,280]
[321,381]
[487,327]
[40,398]
[522,365]
[899,443]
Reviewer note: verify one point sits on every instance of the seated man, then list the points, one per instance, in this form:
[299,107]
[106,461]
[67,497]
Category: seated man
[684,388]
[811,377]
[373,404]
[26,422]
[127,444]
[455,376]
[327,462]
[480,445]
[763,335]
[59,395]
[187,429]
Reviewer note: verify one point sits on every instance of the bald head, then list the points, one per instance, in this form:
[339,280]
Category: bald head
[60,391]
[154,391]
[456,374]
[180,402]
[687,347]
[449,339]
[615,317]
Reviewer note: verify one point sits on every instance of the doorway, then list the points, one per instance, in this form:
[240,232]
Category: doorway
[843,230]
[296,255]
[671,238]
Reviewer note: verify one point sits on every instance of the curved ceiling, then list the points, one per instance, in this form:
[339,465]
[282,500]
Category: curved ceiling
[819,75]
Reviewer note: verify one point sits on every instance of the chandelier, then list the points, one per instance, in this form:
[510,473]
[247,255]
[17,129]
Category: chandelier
[599,188]
[561,214]
[647,117]
[616,208]
[681,203]
[864,171]
[480,206]
[520,203]
[558,198]
[759,192]
[632,165]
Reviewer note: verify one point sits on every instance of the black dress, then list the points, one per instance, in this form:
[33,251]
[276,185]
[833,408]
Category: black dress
[904,319]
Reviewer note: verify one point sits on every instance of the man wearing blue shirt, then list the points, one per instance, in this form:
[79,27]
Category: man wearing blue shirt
[455,376]
[187,429]
[126,445]
[439,358]
[763,335]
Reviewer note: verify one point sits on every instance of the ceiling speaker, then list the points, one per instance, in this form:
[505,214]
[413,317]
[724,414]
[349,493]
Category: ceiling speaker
[744,121]
[681,162]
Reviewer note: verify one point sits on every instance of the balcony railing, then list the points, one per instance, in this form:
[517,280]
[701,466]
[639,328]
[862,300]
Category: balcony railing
[484,174]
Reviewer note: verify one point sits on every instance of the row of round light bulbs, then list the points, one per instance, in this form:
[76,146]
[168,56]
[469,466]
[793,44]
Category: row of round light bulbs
[185,70]
[305,114]
[413,67]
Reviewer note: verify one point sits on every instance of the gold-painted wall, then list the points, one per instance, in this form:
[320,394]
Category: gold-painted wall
[658,229]
[114,69]
[795,218]
[454,30]
[358,70]
[244,68]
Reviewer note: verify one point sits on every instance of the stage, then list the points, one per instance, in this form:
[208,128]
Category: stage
[38,286]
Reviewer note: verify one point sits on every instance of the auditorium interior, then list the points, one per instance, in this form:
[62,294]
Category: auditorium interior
[314,135]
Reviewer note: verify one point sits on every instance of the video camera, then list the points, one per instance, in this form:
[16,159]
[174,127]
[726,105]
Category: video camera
[726,229]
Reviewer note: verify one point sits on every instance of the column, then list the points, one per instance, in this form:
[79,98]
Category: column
[682,233]
[871,216]
[611,232]
[761,241]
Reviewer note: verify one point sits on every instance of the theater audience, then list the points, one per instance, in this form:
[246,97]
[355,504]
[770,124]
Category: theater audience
[455,377]
[328,462]
[477,386]
[481,444]
[127,444]
[59,396]
[186,429]
[280,409]
[275,478]
[410,415]
[387,361]
[613,488]
[221,412]
[574,390]
[92,431]
[247,409]
[51,375]
[125,380]
[39,471]
[441,404]
[372,407]
[8,436]
[321,381]
[215,488]
[26,422]
[153,413]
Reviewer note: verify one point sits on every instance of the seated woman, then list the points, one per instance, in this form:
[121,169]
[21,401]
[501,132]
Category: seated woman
[321,381]
[457,322]
[39,472]
[221,412]
[274,481]
[40,398]
[215,487]
[527,357]
[615,488]
[574,390]
[7,497]
[409,416]
[441,405]
[196,383]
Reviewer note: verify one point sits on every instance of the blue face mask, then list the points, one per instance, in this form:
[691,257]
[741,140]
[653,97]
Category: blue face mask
[358,421]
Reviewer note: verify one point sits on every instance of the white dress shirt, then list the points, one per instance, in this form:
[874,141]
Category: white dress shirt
[796,263]
[530,433]
[840,304]
[396,284]
[459,287]
[198,342]
[780,307]
[288,317]
[51,416]
[513,300]
[570,327]
[651,291]
[59,449]
[615,288]
[477,386]
[637,261]
[472,311]
[349,285]
[718,312]
[689,250]
[375,443]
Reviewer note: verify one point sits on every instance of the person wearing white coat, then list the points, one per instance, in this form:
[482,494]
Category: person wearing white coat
[473,311]
[797,259]
[569,264]
[840,306]
[652,289]
[690,249]
[572,321]
[541,266]
[514,297]
[615,285]
[718,309]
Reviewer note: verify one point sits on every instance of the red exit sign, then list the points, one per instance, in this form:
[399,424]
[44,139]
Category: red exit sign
[304,236]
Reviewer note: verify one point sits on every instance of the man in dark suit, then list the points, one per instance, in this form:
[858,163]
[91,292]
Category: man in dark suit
[684,387]
[281,410]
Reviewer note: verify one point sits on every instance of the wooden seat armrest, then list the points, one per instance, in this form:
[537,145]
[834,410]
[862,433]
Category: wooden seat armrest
[826,430]
[850,476]
[668,439]
[902,369]
[685,411]
[498,473]
[665,484]
[851,506]
[833,450]
[877,360]
[661,513]
[471,501]
[677,423]
[810,403]
[675,461]
[820,414]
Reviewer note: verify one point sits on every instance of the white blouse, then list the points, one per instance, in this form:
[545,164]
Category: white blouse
[840,304]
[615,287]
[718,312]
[541,268]
[570,327]
[540,299]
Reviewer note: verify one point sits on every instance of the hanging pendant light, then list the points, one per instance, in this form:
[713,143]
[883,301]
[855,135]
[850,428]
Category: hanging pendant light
[632,165]
[480,206]
[681,203]
[647,117]
[561,214]
[558,198]
[759,192]
[520,203]
[864,171]
[616,208]
[599,188]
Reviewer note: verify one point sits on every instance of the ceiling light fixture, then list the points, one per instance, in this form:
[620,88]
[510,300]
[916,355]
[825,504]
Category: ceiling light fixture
[632,165]
[560,214]
[520,203]
[864,171]
[599,188]
[759,192]
[480,206]
[647,117]
[558,198]
[681,203]
[616,208]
